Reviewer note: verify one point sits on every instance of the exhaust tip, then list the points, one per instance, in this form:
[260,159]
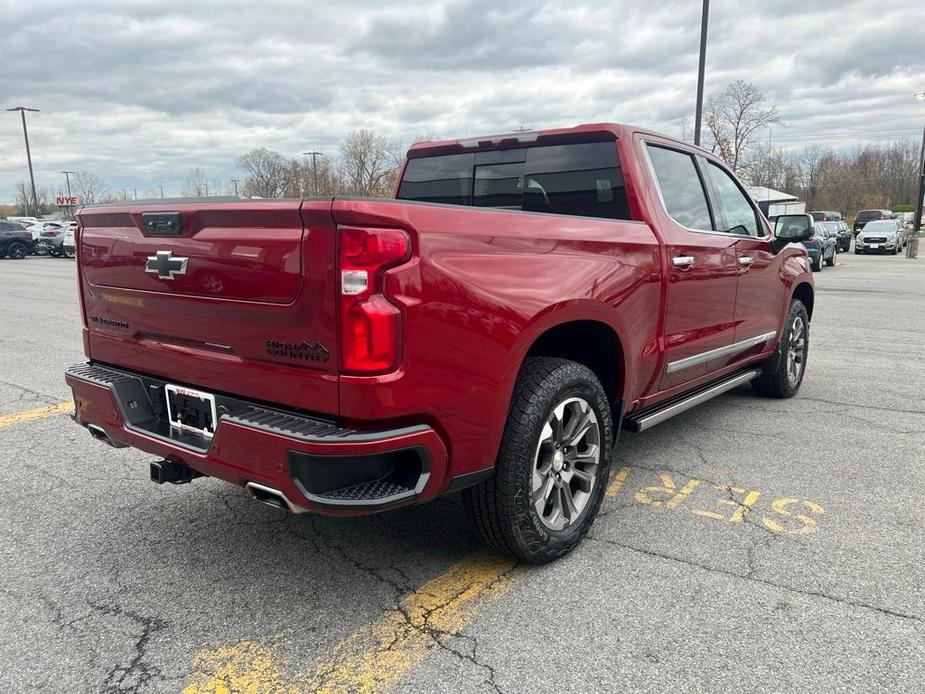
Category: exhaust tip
[271,497]
[98,433]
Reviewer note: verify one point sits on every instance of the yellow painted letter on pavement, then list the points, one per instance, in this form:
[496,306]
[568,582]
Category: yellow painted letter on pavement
[672,495]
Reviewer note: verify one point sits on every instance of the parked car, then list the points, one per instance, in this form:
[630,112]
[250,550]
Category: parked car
[51,240]
[37,228]
[526,297]
[879,236]
[865,216]
[826,216]
[67,243]
[843,236]
[15,240]
[821,246]
[904,232]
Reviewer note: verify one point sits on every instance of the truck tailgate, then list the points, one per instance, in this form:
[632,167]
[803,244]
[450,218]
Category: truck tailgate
[194,292]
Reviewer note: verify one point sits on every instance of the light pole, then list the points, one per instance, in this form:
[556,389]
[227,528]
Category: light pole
[314,156]
[700,70]
[235,182]
[25,133]
[67,179]
[913,247]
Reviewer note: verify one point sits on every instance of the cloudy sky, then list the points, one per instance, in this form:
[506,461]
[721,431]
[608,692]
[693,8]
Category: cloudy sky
[139,92]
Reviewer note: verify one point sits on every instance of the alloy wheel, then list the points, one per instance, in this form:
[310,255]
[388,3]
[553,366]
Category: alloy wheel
[565,464]
[796,354]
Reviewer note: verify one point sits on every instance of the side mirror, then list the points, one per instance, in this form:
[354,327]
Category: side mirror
[792,228]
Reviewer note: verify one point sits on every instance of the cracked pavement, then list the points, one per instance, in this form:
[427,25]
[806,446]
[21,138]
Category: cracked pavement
[109,583]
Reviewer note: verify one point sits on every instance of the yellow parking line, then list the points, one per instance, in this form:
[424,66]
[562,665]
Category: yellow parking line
[37,413]
[616,483]
[375,657]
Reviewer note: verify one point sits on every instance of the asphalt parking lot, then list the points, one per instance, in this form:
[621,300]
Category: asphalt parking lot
[747,545]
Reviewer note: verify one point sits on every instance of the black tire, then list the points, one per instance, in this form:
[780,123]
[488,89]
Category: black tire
[17,250]
[72,253]
[776,381]
[501,506]
[857,252]
[817,266]
[831,261]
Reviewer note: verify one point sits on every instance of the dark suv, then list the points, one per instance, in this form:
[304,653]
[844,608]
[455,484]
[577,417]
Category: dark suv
[865,216]
[15,240]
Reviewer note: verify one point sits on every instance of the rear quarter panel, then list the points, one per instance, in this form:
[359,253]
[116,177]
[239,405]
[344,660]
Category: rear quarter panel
[484,285]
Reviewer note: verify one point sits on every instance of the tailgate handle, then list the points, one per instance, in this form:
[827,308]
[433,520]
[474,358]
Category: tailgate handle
[163,223]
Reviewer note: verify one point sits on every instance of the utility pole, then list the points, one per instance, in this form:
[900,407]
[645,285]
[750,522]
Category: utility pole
[235,182]
[698,118]
[25,133]
[67,179]
[134,193]
[314,156]
[162,192]
[207,189]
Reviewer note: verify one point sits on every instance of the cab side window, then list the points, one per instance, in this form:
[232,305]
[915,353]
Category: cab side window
[681,188]
[740,217]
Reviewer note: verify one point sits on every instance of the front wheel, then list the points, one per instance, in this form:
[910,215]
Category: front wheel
[70,252]
[17,250]
[553,465]
[783,373]
[831,261]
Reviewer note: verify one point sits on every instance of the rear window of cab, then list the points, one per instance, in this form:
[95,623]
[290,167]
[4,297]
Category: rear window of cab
[583,179]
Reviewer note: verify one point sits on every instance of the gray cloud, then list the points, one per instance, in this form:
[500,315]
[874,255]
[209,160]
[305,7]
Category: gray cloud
[141,92]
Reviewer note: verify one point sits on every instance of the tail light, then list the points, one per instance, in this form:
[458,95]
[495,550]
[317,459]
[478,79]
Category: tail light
[370,323]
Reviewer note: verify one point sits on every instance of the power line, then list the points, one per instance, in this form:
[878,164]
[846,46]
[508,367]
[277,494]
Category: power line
[858,133]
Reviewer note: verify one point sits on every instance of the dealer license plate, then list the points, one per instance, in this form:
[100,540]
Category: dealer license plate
[191,410]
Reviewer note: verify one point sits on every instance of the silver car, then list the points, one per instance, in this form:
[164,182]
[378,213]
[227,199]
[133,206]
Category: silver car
[880,236]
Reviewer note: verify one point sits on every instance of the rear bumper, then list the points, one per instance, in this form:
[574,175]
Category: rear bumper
[314,463]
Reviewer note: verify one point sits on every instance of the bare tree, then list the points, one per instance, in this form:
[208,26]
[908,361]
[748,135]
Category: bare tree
[24,200]
[733,117]
[89,187]
[369,163]
[267,173]
[195,185]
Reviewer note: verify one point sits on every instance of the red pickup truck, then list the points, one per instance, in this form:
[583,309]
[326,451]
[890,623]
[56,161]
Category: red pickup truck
[491,329]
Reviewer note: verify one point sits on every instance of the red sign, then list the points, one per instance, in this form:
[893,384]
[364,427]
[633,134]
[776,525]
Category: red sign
[66,200]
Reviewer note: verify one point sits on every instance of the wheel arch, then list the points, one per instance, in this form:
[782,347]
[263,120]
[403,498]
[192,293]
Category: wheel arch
[590,342]
[805,293]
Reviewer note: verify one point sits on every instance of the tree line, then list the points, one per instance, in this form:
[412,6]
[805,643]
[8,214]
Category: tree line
[734,125]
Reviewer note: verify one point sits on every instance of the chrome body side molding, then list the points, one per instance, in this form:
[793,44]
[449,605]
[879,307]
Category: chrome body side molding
[740,346]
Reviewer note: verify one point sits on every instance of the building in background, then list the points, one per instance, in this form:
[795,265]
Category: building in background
[774,202]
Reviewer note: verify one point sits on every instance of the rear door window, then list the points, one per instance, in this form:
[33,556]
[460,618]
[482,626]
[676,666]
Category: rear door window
[681,188]
[446,179]
[575,179]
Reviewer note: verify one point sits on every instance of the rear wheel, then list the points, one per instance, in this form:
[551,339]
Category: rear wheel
[17,250]
[784,372]
[831,261]
[69,252]
[553,464]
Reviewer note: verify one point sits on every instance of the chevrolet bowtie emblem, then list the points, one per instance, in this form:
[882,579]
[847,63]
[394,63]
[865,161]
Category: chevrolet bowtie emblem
[165,266]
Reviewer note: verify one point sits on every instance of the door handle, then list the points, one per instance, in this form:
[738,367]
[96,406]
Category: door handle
[746,260]
[683,261]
